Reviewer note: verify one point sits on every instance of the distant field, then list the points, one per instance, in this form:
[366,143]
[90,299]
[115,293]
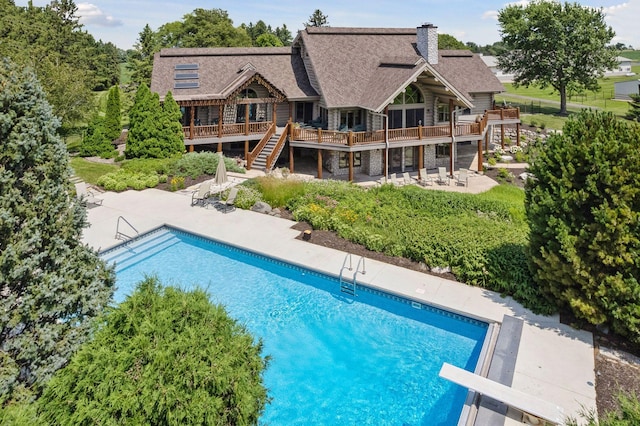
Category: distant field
[634,55]
[125,74]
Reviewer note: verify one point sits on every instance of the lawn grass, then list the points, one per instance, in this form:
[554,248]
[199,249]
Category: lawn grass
[90,171]
[602,98]
[125,74]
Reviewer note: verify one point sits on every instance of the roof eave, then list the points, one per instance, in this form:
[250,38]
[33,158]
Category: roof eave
[412,79]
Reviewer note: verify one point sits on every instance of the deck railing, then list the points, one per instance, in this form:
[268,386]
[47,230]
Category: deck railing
[334,137]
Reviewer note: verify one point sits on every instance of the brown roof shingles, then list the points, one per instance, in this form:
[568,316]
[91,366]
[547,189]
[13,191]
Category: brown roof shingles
[353,67]
[219,67]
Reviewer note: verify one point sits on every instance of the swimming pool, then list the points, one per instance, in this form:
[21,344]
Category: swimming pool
[336,359]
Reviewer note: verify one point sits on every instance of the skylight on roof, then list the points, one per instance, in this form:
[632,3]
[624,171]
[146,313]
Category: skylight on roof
[186,76]
[186,85]
[187,66]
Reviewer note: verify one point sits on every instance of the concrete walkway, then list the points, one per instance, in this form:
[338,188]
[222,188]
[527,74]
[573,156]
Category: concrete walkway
[554,362]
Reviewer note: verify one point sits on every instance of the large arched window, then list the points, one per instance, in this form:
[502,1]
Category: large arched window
[407,109]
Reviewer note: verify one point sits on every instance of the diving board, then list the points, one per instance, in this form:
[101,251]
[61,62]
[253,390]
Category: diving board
[519,400]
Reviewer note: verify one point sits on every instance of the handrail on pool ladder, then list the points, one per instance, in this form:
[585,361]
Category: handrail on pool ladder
[121,235]
[350,288]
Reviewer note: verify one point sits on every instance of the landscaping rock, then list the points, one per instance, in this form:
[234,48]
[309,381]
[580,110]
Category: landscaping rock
[525,175]
[261,207]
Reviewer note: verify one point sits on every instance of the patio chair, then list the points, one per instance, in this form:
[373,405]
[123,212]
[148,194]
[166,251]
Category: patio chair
[394,180]
[230,201]
[424,179]
[200,195]
[84,194]
[443,177]
[463,177]
[407,178]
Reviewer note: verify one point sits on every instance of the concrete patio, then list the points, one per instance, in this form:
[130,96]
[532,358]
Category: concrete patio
[554,361]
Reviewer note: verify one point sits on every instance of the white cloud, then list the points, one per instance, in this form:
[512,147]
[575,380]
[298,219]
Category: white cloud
[90,14]
[623,19]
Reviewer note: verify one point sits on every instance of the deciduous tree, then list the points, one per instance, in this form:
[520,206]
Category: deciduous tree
[449,42]
[583,208]
[51,285]
[556,44]
[163,356]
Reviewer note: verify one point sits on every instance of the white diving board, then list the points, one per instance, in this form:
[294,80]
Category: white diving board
[519,400]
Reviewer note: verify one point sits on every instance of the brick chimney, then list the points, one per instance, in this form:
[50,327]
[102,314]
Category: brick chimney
[428,42]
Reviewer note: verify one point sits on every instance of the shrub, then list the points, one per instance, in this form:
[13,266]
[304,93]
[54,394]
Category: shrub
[278,192]
[492,161]
[196,164]
[247,197]
[177,182]
[163,356]
[124,179]
[584,213]
[520,156]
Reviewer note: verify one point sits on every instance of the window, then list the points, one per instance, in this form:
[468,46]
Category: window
[343,162]
[411,95]
[443,151]
[443,113]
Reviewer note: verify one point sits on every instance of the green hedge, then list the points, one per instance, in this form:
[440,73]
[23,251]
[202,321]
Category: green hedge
[124,179]
[481,238]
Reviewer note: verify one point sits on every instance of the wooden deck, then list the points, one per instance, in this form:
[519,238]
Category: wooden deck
[308,136]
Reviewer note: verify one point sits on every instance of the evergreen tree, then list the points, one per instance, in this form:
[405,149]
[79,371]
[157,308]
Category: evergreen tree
[112,119]
[634,107]
[95,141]
[151,132]
[163,356]
[317,19]
[172,126]
[584,215]
[51,285]
[141,59]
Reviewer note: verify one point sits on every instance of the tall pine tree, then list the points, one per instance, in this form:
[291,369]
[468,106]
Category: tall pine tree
[112,118]
[153,130]
[51,285]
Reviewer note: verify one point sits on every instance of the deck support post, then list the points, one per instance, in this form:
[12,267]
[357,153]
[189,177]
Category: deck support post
[518,134]
[191,148]
[220,120]
[246,119]
[350,166]
[246,149]
[480,159]
[501,134]
[219,146]
[452,129]
[291,165]
[319,164]
[420,156]
[192,122]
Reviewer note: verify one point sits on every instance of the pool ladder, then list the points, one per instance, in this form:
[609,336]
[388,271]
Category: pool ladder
[349,287]
[121,235]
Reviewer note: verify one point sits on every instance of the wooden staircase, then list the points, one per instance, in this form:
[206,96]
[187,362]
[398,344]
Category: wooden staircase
[260,162]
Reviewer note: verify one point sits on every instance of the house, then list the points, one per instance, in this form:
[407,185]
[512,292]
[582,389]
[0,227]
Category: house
[492,63]
[354,100]
[623,68]
[625,88]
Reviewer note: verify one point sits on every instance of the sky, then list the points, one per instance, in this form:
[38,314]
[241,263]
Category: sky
[121,21]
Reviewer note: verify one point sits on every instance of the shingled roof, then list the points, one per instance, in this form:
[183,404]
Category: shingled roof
[368,67]
[221,70]
[352,67]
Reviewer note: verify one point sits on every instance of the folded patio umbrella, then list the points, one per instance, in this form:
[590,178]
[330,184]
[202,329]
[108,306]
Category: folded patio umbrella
[221,173]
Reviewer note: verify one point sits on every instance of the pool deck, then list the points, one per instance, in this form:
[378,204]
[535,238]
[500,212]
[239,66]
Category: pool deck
[555,362]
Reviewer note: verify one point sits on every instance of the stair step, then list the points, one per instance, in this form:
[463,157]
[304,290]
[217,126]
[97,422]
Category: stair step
[137,250]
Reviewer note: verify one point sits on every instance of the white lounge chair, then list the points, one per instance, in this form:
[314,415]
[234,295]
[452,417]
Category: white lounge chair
[443,177]
[231,199]
[423,177]
[84,194]
[200,195]
[394,180]
[407,178]
[463,177]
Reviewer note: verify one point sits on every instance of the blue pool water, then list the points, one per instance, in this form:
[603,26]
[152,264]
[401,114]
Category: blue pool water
[336,360]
